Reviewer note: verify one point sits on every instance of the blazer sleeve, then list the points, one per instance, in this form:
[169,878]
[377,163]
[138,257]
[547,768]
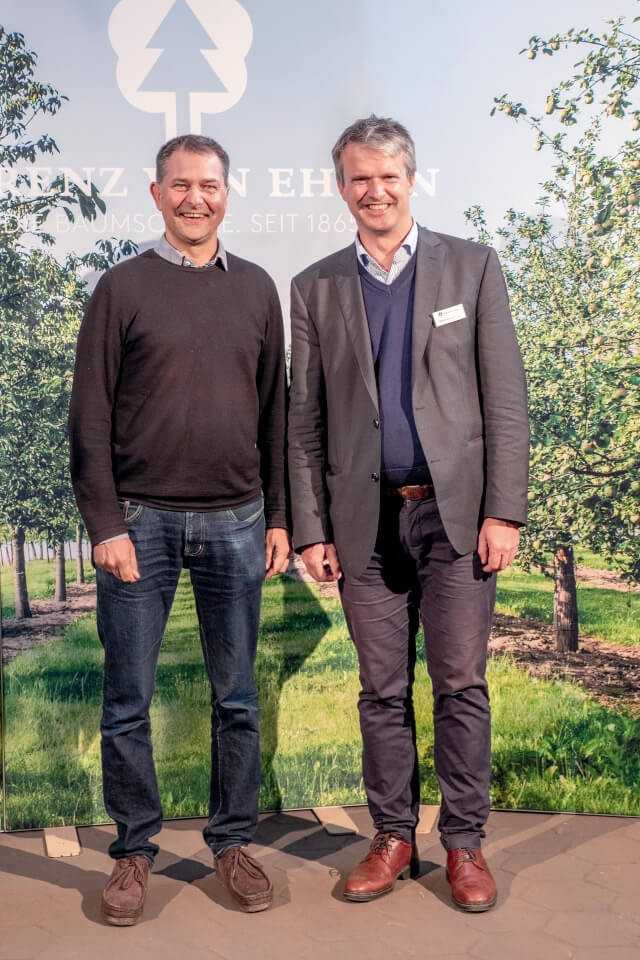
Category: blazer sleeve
[307,430]
[504,399]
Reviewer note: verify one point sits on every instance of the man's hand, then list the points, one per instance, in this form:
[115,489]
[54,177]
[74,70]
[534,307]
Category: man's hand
[321,561]
[497,543]
[277,547]
[118,557]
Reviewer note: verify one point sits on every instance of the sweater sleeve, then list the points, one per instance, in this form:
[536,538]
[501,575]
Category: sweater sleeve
[272,391]
[97,365]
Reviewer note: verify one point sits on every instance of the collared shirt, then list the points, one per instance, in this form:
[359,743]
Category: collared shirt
[169,252]
[400,258]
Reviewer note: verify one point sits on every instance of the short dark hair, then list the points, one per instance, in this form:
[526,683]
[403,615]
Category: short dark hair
[194,143]
[380,133]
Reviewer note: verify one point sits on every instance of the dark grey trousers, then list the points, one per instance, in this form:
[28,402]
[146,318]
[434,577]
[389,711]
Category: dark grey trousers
[415,573]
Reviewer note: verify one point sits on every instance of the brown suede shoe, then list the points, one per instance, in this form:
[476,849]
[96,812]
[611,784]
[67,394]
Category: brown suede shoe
[123,896]
[472,886]
[389,858]
[245,879]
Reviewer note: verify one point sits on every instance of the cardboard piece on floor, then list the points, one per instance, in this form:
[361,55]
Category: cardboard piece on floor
[61,842]
[335,820]
[428,818]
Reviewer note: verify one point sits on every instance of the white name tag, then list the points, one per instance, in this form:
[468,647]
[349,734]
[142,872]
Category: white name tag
[448,315]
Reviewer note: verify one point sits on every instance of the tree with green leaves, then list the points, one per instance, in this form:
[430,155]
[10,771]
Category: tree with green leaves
[572,271]
[40,307]
[37,344]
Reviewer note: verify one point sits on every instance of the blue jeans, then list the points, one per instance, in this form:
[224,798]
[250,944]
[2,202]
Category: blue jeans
[224,553]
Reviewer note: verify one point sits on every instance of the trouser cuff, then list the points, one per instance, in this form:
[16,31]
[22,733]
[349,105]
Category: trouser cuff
[407,833]
[222,847]
[136,853]
[454,841]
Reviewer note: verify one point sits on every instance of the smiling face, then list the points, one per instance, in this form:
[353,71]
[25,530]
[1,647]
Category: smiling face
[192,198]
[377,190]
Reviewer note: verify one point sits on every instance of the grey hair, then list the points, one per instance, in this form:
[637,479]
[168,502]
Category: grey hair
[194,144]
[379,133]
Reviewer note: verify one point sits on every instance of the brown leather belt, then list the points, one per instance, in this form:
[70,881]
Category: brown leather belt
[418,491]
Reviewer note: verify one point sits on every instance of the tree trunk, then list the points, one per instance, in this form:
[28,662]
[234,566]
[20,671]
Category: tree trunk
[46,547]
[565,600]
[61,584]
[20,575]
[40,545]
[79,559]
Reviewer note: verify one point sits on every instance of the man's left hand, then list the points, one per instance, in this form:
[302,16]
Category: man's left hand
[497,543]
[277,551]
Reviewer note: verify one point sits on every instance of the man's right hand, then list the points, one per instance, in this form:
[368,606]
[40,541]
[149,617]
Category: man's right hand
[118,557]
[321,561]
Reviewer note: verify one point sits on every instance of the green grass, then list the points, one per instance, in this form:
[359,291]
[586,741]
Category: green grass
[553,747]
[587,558]
[40,581]
[610,615]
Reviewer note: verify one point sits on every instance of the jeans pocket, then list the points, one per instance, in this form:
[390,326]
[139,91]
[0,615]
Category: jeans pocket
[246,513]
[130,510]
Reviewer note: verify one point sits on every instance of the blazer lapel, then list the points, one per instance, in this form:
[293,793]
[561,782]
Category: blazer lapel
[352,306]
[430,262]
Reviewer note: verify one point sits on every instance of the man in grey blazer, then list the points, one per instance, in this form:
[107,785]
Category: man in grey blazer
[408,459]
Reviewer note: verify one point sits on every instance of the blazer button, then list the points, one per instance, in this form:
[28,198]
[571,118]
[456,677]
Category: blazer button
[375,477]
[376,423]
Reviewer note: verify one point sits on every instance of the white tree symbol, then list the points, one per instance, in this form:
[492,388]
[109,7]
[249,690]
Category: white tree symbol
[181,58]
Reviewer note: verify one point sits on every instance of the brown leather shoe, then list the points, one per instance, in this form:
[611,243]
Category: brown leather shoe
[472,886]
[245,879]
[389,858]
[123,897]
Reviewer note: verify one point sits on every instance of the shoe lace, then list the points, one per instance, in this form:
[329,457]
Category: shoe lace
[380,844]
[239,859]
[468,854]
[130,872]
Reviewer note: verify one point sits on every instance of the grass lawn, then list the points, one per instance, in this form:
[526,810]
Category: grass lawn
[40,581]
[553,747]
[587,558]
[611,615]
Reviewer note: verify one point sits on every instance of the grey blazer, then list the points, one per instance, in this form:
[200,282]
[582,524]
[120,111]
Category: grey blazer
[468,390]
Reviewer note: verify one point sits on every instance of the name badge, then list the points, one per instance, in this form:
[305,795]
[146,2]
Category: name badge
[440,317]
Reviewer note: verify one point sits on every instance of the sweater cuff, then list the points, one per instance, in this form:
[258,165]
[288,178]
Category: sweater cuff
[118,536]
[277,520]
[107,533]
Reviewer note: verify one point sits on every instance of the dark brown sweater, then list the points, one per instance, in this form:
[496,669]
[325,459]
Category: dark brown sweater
[179,392]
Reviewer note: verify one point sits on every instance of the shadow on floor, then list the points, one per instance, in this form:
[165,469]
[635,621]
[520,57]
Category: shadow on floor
[291,841]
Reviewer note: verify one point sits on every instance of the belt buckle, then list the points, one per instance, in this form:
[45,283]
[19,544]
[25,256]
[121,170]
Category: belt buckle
[423,491]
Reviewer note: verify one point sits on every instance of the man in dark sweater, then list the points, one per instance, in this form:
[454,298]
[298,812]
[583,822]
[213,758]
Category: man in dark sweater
[408,444]
[177,428]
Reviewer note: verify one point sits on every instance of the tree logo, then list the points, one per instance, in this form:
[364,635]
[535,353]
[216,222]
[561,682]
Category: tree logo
[181,58]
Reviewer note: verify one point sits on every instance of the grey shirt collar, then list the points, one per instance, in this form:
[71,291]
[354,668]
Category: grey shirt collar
[168,251]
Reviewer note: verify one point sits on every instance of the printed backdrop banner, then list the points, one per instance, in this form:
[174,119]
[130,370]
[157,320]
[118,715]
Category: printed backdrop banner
[499,101]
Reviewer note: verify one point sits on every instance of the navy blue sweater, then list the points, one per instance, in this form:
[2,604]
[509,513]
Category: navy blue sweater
[389,309]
